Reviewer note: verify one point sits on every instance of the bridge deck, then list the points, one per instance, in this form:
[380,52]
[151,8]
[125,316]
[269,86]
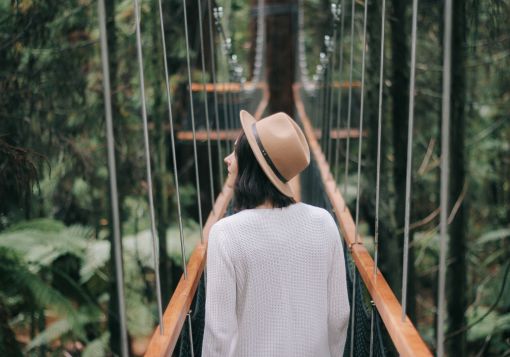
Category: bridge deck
[404,335]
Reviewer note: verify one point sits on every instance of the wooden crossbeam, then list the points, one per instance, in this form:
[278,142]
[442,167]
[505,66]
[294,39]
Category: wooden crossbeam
[236,87]
[201,135]
[404,335]
[226,87]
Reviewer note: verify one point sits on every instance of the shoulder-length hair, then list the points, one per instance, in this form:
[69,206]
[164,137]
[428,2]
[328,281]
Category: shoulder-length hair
[252,187]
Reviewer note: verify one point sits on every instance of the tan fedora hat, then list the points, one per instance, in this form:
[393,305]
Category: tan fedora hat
[279,146]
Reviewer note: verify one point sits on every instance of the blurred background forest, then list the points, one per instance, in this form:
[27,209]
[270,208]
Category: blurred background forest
[57,291]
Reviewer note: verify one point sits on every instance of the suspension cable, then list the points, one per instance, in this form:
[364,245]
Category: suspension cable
[197,176]
[361,112]
[349,105]
[323,58]
[335,11]
[218,15]
[190,332]
[260,43]
[360,146]
[215,96]
[409,160]
[340,90]
[378,166]
[114,196]
[172,138]
[155,243]
[206,104]
[445,158]
[327,90]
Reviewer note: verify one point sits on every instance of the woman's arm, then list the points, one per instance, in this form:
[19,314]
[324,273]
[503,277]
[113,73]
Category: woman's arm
[220,304]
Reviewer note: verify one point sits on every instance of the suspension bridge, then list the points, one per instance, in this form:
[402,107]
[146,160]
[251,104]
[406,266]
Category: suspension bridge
[331,113]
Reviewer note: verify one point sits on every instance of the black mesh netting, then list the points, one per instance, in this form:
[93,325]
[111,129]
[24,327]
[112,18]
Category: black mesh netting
[313,193]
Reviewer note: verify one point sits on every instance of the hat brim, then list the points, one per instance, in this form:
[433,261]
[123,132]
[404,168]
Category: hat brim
[247,121]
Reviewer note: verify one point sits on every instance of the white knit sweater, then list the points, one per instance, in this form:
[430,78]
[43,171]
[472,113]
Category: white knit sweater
[276,285]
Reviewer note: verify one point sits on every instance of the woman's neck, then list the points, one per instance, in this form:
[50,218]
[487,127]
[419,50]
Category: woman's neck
[266,204]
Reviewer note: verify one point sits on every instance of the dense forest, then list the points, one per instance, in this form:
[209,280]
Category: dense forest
[57,286]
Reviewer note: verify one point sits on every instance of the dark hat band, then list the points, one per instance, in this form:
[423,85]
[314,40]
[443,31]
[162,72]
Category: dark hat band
[266,156]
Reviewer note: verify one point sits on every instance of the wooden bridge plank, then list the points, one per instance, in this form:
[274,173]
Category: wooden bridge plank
[235,87]
[226,87]
[404,335]
[201,135]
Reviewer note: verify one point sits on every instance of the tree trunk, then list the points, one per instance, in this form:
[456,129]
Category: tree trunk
[281,27]
[457,279]
[391,248]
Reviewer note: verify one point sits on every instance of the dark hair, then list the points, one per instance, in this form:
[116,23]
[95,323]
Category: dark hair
[252,187]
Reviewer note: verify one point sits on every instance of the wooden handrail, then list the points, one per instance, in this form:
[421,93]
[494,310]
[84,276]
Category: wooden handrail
[404,335]
[175,314]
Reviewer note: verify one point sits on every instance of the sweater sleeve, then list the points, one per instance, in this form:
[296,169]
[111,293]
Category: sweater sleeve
[220,305]
[338,299]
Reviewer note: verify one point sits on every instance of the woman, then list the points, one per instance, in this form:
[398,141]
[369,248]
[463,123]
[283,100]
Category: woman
[276,283]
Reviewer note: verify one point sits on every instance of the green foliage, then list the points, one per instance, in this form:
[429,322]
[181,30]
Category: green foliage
[29,252]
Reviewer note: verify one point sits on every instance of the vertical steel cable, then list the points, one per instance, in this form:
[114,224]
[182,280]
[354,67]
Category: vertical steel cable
[206,104]
[378,167]
[324,105]
[361,112]
[325,96]
[353,309]
[409,161]
[119,276]
[318,92]
[322,92]
[335,10]
[155,243]
[193,120]
[315,99]
[360,145]
[303,71]
[445,158]
[226,95]
[227,46]
[190,330]
[172,139]
[213,75]
[231,101]
[340,90]
[259,51]
[226,109]
[328,41]
[349,105]
[188,62]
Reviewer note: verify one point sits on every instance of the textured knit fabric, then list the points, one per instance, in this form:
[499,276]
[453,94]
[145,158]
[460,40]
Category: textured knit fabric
[276,285]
